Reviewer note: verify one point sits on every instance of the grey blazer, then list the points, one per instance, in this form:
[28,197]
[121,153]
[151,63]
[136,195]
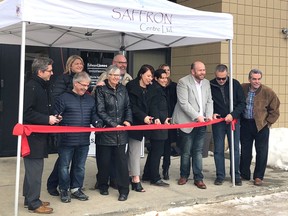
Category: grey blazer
[187,107]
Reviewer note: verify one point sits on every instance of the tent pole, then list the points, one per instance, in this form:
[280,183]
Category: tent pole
[20,114]
[231,109]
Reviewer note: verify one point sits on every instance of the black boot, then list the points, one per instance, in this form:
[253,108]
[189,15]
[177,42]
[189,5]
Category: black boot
[165,174]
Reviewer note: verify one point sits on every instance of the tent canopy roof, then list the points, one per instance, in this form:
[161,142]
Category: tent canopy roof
[110,25]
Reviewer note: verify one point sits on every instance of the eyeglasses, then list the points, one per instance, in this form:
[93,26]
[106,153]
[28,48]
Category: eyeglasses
[115,75]
[49,71]
[83,85]
[120,62]
[220,78]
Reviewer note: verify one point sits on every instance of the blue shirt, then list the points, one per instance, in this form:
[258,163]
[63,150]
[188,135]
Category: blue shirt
[248,112]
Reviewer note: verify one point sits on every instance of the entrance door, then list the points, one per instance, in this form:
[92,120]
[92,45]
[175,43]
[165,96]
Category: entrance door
[9,96]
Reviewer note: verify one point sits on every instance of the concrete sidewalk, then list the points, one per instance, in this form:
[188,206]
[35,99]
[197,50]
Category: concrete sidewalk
[154,199]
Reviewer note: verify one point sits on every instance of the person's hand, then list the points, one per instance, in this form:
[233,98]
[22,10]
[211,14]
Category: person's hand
[216,116]
[168,121]
[200,119]
[148,120]
[98,124]
[229,118]
[157,121]
[126,123]
[54,119]
[208,119]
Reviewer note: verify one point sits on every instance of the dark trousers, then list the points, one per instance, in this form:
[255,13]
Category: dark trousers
[151,168]
[104,164]
[32,182]
[166,155]
[112,175]
[53,179]
[248,134]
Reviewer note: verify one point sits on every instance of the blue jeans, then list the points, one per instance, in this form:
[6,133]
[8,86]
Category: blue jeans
[79,155]
[220,130]
[191,145]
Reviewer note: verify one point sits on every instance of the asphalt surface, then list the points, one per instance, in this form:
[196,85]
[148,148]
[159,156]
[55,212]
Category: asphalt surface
[155,198]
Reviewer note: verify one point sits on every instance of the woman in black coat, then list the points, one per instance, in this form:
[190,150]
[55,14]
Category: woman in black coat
[169,150]
[140,99]
[158,108]
[113,107]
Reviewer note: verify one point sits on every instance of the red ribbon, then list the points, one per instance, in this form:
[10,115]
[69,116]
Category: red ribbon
[26,130]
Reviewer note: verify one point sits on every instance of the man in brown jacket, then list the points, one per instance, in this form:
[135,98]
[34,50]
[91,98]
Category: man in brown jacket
[262,110]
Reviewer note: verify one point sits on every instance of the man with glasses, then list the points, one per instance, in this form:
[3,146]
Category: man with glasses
[221,104]
[120,62]
[77,109]
[37,111]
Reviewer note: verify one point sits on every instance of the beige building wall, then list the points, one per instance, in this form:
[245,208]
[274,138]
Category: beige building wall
[258,43]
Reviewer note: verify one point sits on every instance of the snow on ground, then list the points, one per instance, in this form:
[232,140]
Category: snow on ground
[277,157]
[272,204]
[278,148]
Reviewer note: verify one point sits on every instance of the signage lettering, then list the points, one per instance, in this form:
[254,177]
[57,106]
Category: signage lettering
[149,21]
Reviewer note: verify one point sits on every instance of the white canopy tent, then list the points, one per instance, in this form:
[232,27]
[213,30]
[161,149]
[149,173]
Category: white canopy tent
[111,25]
[106,25]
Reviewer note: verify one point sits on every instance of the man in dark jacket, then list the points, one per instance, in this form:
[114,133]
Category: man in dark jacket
[37,105]
[63,83]
[77,109]
[261,111]
[221,104]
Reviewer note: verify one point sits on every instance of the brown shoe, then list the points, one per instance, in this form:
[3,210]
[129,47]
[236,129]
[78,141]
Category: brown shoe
[43,203]
[200,184]
[42,210]
[182,181]
[258,182]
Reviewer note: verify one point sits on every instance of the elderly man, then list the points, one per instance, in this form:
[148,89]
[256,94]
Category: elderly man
[220,94]
[262,110]
[194,103]
[77,109]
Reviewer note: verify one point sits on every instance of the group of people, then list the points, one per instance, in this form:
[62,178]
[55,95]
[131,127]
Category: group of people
[151,98]
[255,108]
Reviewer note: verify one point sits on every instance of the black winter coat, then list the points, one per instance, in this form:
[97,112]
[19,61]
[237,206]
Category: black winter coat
[221,106]
[171,94]
[143,103]
[113,107]
[159,110]
[37,108]
[139,99]
[63,83]
[79,111]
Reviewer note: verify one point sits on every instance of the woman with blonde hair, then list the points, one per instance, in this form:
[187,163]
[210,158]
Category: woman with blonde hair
[74,64]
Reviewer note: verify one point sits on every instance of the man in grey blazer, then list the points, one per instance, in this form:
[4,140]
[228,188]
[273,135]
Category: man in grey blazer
[194,104]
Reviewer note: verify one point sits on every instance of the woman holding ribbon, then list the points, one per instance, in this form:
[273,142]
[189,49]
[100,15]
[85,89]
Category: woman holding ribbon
[113,107]
[140,95]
